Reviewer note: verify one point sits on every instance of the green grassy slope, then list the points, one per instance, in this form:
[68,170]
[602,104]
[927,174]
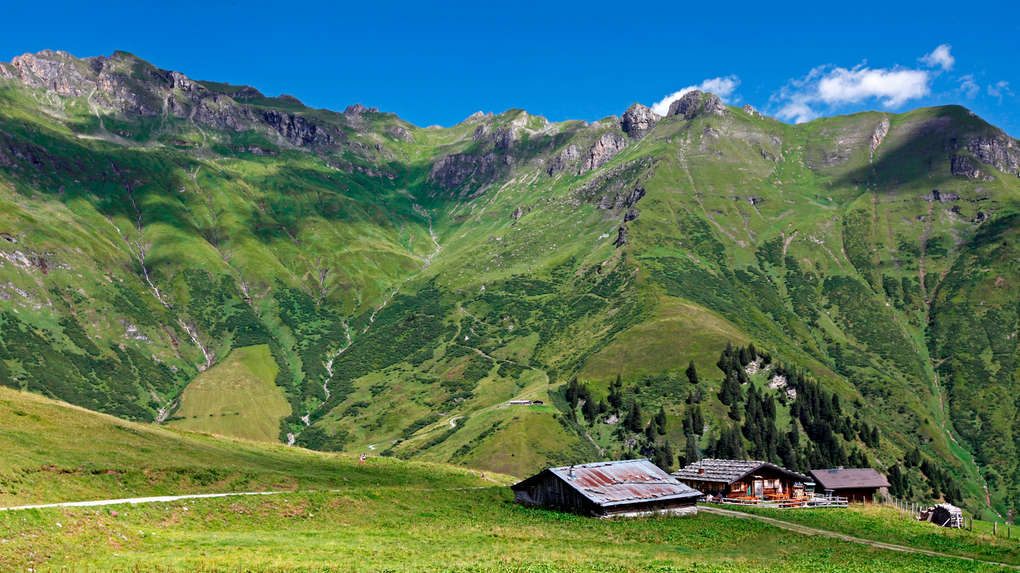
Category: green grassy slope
[237,397]
[378,528]
[409,282]
[54,452]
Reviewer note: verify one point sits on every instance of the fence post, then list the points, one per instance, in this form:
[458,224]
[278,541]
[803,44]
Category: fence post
[995,528]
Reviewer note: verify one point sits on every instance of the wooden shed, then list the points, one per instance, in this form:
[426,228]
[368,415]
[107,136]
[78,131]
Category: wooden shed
[624,488]
[856,484]
[743,479]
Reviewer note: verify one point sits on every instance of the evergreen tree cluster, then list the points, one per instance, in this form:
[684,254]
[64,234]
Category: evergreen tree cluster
[578,394]
[760,427]
[941,483]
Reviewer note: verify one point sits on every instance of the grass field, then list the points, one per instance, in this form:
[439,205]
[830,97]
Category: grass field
[383,515]
[416,529]
[56,452]
[887,524]
[238,397]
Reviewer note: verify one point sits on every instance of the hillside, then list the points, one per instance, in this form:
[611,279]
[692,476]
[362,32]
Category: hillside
[409,281]
[334,512]
[57,452]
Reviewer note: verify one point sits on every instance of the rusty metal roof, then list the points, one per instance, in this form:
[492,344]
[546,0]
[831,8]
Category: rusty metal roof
[622,482]
[849,478]
[729,471]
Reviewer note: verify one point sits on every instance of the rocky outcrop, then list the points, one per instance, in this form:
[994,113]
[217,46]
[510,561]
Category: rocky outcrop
[941,196]
[621,236]
[401,134]
[638,120]
[358,109]
[621,200]
[125,84]
[999,152]
[697,103]
[564,160]
[602,151]
[962,166]
[502,138]
[455,170]
[878,135]
[295,129]
[750,110]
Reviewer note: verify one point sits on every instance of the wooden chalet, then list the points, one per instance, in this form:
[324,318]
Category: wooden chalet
[744,480]
[856,484]
[625,488]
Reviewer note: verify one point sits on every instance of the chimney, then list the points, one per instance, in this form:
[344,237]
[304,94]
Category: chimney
[570,473]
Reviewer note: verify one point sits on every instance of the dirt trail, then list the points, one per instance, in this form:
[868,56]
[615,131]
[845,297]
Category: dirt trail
[135,500]
[796,527]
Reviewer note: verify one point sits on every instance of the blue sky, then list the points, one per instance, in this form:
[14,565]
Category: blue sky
[438,63]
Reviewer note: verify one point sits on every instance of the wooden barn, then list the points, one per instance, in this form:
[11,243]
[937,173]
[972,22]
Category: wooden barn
[856,484]
[742,479]
[625,488]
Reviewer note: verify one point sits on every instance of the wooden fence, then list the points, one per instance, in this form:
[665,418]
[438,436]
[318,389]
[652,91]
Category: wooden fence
[911,510]
[833,501]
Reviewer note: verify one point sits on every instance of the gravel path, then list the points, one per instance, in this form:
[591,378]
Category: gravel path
[134,500]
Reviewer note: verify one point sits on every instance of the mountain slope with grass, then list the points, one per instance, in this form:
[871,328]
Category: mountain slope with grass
[407,282]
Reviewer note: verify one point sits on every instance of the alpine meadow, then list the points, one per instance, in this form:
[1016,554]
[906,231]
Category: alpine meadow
[502,295]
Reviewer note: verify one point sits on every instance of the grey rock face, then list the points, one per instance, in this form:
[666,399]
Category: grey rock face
[999,152]
[602,151]
[125,84]
[638,120]
[296,129]
[564,160]
[458,169]
[941,196]
[878,135]
[697,104]
[621,236]
[962,166]
[401,133]
[750,110]
[358,109]
[622,200]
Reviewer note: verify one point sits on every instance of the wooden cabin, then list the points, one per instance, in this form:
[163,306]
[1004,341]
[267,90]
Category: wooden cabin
[858,485]
[742,479]
[624,488]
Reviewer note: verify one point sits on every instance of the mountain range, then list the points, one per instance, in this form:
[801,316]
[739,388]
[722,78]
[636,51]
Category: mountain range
[199,254]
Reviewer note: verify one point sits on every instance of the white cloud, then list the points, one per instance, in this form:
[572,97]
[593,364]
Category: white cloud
[940,57]
[832,87]
[969,87]
[1000,90]
[722,87]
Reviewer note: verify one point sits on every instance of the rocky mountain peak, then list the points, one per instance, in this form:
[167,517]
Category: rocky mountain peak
[638,120]
[697,103]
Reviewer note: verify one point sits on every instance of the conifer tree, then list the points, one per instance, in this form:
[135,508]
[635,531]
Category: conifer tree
[664,457]
[691,450]
[633,420]
[692,374]
[660,421]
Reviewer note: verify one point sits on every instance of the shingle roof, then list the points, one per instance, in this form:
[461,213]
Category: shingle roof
[626,481]
[849,478]
[729,471]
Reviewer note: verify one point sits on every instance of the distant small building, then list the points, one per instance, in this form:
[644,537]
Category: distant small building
[743,479]
[856,484]
[625,488]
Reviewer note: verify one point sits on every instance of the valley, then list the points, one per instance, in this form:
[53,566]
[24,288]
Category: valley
[204,256]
